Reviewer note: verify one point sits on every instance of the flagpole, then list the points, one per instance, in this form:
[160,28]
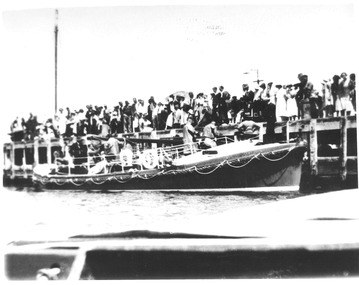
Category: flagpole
[56,35]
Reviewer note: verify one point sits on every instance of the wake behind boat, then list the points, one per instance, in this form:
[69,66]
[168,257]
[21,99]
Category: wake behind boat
[229,165]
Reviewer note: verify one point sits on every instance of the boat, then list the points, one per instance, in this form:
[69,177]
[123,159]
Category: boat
[229,166]
[308,241]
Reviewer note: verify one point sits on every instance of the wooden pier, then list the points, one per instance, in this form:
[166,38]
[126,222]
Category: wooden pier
[332,148]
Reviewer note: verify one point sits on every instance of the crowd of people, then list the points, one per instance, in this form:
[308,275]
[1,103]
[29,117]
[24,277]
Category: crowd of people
[265,102]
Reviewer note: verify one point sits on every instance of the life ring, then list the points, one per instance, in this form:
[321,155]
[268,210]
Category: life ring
[126,157]
[149,158]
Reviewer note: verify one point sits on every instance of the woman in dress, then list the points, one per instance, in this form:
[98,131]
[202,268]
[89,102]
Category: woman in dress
[292,108]
[328,101]
[281,105]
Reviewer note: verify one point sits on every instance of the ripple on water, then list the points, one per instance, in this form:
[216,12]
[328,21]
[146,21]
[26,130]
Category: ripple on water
[75,212]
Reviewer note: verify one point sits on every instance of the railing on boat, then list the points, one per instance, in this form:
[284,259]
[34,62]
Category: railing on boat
[21,157]
[127,159]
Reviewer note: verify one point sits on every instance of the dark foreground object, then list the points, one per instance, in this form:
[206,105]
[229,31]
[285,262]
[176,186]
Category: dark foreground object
[104,264]
[304,237]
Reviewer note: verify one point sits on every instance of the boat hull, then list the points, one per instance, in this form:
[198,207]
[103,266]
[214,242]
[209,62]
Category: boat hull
[262,169]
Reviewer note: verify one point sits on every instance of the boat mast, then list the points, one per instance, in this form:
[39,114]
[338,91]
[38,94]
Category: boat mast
[56,31]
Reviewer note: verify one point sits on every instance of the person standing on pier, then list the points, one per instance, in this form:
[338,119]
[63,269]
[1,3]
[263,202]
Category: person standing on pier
[328,101]
[352,90]
[281,105]
[120,120]
[133,112]
[127,120]
[306,89]
[334,89]
[89,117]
[344,95]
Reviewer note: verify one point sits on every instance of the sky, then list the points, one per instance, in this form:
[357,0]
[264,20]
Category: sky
[109,53]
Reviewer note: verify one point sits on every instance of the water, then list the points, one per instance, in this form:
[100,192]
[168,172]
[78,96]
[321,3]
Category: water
[59,214]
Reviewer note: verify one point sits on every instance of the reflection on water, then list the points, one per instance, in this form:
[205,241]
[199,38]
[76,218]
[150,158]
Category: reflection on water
[58,214]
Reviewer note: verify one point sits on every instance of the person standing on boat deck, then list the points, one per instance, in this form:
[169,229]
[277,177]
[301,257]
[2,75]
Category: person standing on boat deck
[189,134]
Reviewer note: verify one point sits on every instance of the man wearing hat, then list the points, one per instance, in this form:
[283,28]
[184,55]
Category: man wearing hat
[190,101]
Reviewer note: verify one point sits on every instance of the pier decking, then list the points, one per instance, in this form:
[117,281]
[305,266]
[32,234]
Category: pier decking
[332,147]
